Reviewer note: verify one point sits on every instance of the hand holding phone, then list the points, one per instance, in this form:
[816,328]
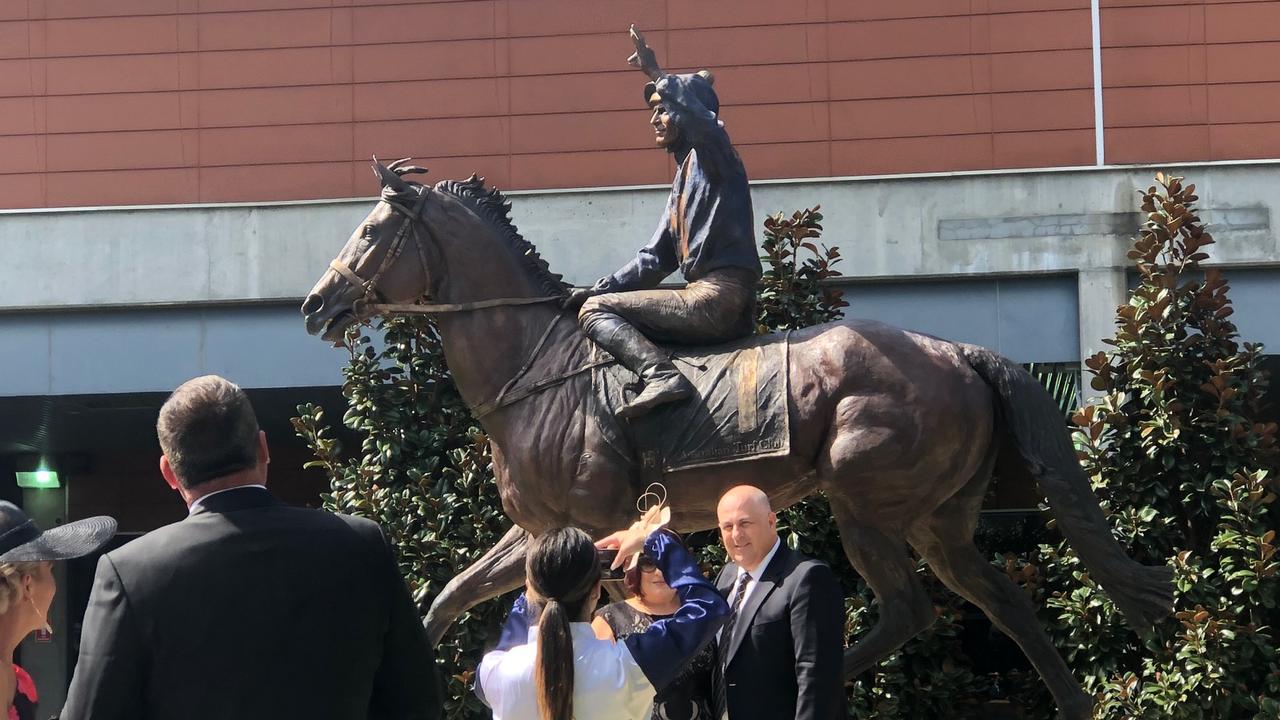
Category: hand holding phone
[606,557]
[624,543]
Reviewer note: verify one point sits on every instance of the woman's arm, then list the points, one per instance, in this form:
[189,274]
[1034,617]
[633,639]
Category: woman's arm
[516,630]
[601,628]
[663,648]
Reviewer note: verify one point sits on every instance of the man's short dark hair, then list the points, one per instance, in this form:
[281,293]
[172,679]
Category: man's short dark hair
[207,430]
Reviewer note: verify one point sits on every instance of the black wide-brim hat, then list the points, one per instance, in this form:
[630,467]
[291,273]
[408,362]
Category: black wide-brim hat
[21,540]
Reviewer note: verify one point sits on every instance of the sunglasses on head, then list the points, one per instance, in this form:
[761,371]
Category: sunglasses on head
[646,564]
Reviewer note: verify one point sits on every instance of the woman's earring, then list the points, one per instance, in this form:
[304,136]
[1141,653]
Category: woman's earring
[47,627]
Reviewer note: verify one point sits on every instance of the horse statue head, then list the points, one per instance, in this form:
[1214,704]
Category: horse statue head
[428,249]
[368,270]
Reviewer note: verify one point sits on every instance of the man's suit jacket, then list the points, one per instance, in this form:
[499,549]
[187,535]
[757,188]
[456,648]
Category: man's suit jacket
[253,609]
[786,653]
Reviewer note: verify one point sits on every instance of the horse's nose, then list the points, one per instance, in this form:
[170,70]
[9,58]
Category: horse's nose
[312,305]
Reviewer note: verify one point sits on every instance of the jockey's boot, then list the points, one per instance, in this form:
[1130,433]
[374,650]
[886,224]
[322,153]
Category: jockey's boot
[663,383]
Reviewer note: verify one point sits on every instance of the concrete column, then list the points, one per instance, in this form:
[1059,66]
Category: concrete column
[1101,291]
[47,661]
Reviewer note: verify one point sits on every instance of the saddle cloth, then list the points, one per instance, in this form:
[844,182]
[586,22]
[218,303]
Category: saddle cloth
[739,411]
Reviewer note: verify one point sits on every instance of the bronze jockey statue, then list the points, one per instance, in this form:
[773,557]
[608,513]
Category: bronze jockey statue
[706,232]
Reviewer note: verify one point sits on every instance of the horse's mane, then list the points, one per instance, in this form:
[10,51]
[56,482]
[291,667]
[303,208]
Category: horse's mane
[491,205]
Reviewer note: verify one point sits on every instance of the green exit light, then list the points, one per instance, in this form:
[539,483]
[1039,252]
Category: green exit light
[39,479]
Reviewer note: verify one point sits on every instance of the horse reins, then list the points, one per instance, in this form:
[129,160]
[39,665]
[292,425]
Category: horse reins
[371,304]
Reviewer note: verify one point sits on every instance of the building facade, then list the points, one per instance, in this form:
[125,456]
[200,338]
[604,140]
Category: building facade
[176,174]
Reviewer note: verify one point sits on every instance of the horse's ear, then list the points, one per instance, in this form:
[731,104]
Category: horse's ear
[400,168]
[388,178]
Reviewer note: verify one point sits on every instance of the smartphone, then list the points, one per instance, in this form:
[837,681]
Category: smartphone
[606,557]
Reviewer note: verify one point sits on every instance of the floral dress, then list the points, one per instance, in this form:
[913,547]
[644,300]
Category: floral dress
[689,695]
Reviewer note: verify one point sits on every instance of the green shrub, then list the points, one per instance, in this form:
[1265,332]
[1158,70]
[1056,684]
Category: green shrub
[1187,476]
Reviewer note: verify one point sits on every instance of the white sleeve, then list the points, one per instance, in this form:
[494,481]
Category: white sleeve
[488,683]
[639,691]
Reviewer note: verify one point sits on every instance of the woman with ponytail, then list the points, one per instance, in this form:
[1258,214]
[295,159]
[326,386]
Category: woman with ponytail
[549,664]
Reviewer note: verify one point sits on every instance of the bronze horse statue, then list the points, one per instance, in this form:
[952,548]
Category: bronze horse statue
[902,431]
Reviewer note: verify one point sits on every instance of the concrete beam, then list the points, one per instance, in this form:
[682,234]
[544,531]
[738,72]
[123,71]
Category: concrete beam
[968,224]
[156,349]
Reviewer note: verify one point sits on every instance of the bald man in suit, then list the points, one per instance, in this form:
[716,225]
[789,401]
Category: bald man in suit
[781,652]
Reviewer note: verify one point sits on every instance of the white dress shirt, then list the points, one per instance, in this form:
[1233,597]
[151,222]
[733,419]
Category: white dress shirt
[202,498]
[755,576]
[607,682]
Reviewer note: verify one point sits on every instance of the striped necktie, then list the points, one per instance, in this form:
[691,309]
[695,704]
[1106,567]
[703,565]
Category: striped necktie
[722,647]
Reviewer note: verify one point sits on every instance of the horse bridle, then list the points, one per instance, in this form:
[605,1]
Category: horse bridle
[372,302]
[367,304]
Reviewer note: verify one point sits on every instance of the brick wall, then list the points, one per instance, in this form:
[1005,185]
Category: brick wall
[1191,80]
[174,101]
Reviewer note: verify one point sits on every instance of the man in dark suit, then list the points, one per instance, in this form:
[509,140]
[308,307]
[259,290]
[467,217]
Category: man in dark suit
[248,608]
[781,651]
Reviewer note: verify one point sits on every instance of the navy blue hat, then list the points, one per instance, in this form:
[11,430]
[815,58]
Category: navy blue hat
[21,540]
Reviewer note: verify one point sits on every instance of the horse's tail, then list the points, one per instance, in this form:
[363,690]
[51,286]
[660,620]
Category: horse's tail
[1032,420]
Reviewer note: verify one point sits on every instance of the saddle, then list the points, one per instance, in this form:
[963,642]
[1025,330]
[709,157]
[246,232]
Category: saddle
[738,411]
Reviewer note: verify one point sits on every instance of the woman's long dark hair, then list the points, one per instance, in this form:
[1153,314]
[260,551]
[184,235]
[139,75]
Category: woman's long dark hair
[562,569]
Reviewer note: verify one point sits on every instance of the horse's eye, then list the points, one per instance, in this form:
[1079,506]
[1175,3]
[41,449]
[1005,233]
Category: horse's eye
[368,233]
